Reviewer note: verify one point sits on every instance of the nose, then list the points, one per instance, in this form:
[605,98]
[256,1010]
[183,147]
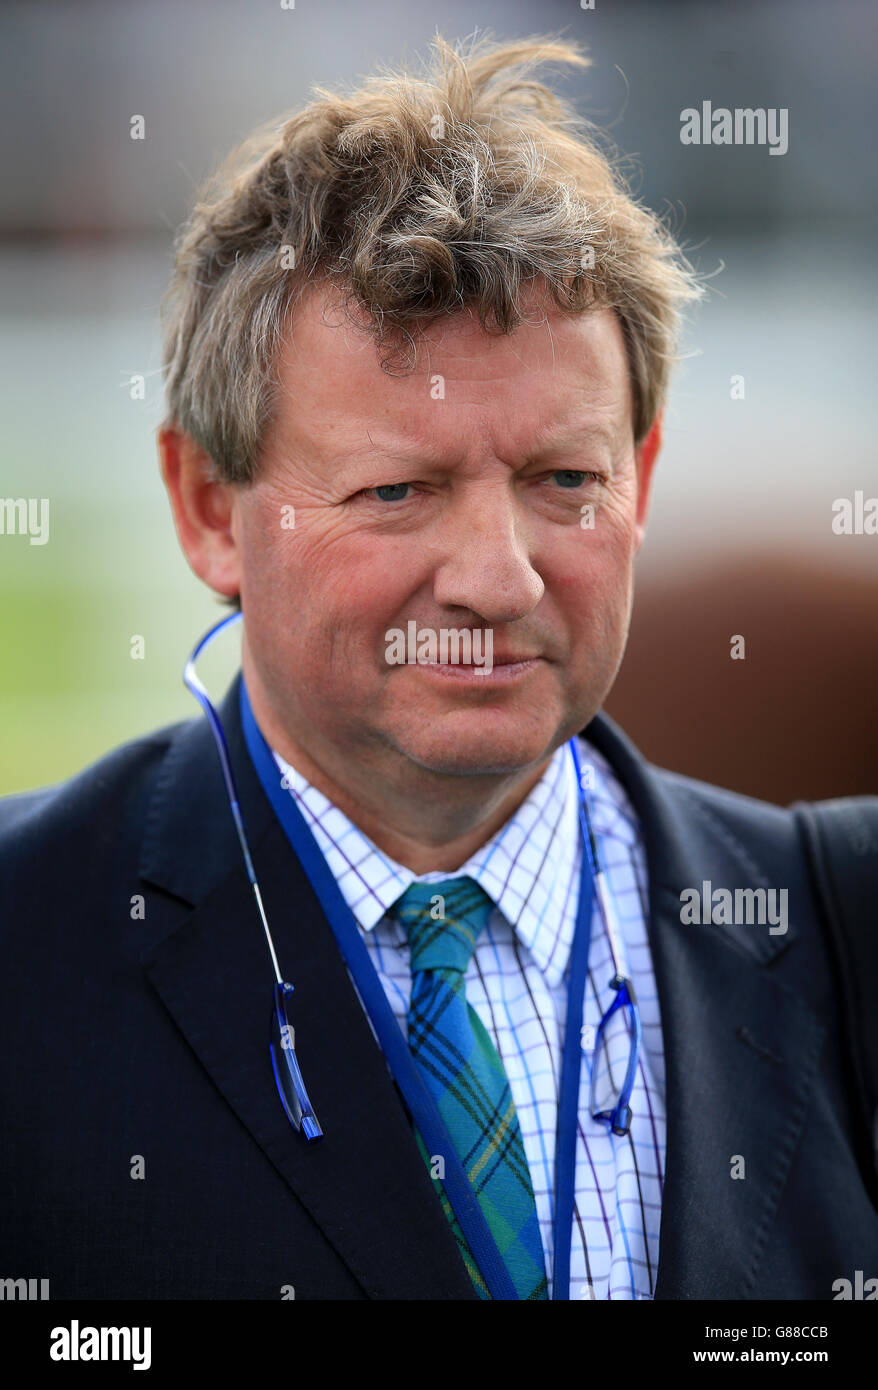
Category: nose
[486,566]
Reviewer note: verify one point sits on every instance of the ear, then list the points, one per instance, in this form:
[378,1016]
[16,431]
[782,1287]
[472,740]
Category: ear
[204,511]
[645,456]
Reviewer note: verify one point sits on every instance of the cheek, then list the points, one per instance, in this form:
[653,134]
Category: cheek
[323,610]
[593,568]
[288,578]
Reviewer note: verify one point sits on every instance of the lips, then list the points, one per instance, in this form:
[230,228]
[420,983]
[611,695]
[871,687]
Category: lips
[495,662]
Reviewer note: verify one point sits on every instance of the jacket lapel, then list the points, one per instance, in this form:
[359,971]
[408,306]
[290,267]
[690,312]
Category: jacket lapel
[364,1183]
[741,1050]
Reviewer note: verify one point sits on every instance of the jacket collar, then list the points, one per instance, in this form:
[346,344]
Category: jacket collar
[731,1033]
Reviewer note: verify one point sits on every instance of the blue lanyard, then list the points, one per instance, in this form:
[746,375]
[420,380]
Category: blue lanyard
[421,1106]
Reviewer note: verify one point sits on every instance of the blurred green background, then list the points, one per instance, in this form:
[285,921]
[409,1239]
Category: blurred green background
[80,321]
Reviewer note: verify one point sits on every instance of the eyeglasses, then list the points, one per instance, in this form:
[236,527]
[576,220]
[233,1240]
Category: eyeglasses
[609,1101]
[281,1046]
[619,1032]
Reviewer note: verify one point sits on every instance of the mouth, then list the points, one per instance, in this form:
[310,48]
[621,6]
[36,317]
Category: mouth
[507,669]
[510,659]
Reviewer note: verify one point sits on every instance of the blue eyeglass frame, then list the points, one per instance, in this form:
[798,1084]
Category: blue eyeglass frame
[619,1118]
[284,1062]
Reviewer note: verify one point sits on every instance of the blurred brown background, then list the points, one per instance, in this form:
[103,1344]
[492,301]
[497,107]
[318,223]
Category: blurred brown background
[796,718]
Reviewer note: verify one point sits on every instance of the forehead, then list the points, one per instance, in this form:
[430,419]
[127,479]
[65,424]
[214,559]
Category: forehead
[555,368]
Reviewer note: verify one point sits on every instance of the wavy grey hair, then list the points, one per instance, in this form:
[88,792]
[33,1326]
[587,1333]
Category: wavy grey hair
[415,196]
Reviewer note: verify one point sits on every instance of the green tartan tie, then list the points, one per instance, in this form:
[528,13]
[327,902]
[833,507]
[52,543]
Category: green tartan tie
[464,1074]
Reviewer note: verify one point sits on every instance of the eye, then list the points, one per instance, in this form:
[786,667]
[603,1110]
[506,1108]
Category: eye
[570,477]
[386,488]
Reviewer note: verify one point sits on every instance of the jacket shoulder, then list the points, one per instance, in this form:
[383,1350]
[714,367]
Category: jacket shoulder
[738,808]
[747,811]
[91,806]
[760,836]
[752,831]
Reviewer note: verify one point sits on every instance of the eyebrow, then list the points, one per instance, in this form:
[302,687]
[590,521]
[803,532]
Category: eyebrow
[563,435]
[558,437]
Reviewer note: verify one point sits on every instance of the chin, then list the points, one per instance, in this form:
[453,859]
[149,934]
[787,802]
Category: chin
[461,746]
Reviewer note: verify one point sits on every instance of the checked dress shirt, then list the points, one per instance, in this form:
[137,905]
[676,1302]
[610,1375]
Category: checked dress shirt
[516,983]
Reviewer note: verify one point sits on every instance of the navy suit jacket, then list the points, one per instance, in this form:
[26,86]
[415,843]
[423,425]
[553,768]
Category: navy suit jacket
[137,1042]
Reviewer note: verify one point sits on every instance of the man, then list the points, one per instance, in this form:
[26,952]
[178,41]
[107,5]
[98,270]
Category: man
[417,351]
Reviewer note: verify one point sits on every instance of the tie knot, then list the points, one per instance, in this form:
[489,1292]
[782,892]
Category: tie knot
[443,921]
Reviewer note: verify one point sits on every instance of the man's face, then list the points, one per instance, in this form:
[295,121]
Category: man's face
[452,497]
